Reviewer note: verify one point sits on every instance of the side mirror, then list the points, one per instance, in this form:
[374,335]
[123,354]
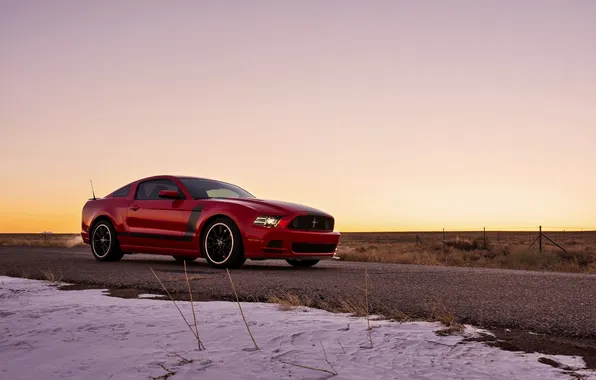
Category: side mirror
[169,194]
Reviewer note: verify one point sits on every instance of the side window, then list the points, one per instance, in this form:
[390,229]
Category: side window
[149,190]
[222,193]
[122,192]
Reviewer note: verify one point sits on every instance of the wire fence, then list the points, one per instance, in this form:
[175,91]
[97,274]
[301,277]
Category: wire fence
[539,237]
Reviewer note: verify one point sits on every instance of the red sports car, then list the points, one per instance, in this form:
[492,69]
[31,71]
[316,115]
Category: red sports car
[190,217]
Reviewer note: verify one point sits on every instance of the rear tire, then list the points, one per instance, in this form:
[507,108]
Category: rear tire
[104,242]
[302,263]
[222,244]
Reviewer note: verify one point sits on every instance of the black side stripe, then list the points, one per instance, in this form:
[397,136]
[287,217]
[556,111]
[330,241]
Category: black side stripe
[189,233]
[155,236]
[191,225]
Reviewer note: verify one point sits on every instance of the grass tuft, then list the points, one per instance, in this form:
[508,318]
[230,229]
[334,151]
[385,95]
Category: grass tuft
[241,311]
[196,334]
[439,313]
[51,276]
[332,372]
[290,301]
[369,329]
[192,305]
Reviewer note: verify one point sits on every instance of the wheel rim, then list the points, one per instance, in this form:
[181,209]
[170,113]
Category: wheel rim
[219,243]
[102,240]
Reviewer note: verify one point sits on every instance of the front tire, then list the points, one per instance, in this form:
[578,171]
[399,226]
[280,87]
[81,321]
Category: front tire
[302,263]
[104,242]
[222,244]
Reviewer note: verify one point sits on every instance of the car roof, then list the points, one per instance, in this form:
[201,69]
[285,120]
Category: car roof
[158,176]
[171,176]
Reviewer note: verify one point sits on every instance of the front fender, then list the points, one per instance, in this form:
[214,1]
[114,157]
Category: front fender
[240,215]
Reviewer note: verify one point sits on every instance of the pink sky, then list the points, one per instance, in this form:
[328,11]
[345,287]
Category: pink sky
[391,115]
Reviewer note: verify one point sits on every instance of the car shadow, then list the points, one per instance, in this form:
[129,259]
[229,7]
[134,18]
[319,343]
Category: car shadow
[202,267]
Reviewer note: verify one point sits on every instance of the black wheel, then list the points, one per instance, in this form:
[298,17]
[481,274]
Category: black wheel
[222,244]
[302,263]
[104,243]
[184,258]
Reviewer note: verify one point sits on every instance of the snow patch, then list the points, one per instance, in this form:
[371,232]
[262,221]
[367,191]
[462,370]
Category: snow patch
[46,333]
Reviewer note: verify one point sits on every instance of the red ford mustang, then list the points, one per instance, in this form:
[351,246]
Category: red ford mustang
[189,217]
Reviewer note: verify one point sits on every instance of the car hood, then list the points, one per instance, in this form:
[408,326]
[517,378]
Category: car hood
[273,206]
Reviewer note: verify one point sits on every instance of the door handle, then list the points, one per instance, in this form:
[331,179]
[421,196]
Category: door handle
[134,207]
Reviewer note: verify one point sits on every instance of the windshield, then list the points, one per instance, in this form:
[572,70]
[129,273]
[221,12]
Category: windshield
[201,188]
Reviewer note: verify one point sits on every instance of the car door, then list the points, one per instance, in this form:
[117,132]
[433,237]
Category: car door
[157,222]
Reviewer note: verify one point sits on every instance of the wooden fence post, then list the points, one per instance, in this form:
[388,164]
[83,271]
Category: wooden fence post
[540,239]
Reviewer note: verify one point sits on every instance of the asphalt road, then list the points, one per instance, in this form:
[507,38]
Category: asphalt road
[549,303]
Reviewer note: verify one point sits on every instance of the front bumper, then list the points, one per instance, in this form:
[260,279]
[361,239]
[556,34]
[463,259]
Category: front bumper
[284,243]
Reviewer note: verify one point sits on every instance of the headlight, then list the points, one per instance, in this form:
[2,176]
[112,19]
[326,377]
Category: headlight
[267,221]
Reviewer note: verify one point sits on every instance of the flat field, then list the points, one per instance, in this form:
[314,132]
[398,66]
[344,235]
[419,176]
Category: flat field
[571,251]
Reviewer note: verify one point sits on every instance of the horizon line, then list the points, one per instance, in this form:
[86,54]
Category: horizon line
[492,230]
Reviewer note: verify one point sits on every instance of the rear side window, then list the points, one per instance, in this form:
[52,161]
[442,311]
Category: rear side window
[122,192]
[150,189]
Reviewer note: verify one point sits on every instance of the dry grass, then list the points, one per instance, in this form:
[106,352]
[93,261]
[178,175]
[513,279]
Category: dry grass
[51,276]
[580,257]
[289,301]
[434,312]
[439,313]
[195,332]
[241,311]
[332,372]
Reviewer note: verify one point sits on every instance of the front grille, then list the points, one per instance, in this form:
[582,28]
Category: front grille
[313,248]
[312,223]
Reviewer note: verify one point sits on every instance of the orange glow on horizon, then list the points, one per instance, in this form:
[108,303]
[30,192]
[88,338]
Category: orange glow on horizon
[391,117]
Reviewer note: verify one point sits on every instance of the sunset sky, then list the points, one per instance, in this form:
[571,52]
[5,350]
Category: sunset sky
[391,115]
